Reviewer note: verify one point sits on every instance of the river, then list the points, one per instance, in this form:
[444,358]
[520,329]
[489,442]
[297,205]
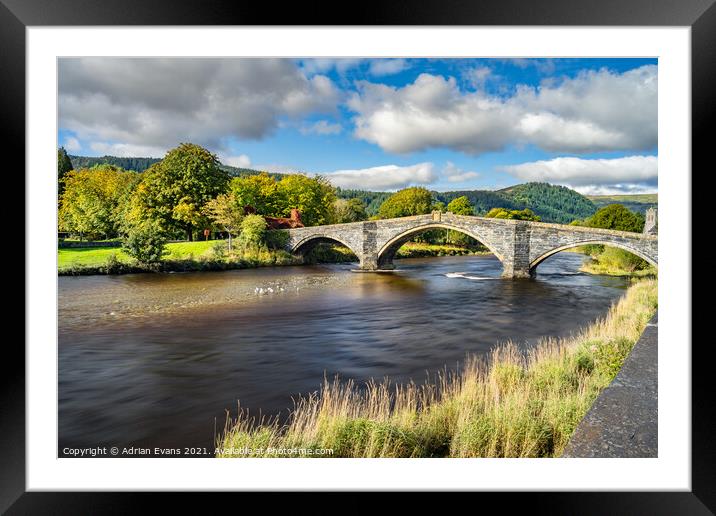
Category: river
[156,360]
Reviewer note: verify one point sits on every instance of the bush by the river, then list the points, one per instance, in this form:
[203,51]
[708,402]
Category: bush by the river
[514,404]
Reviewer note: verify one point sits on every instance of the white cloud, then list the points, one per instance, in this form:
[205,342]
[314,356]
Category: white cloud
[630,174]
[387,177]
[161,102]
[240,161]
[326,64]
[381,67]
[127,150]
[455,174]
[477,77]
[322,127]
[594,111]
[72,144]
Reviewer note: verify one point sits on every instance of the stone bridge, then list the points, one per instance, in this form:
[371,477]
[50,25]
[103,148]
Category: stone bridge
[520,245]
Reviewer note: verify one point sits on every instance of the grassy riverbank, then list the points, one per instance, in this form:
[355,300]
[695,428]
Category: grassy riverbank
[209,255]
[508,406]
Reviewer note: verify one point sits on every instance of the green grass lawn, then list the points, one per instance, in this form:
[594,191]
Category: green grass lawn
[96,256]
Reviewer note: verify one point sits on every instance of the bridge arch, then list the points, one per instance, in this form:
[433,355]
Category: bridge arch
[387,251]
[304,246]
[633,250]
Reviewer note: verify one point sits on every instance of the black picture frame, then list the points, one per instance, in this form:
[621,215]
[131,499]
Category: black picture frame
[700,15]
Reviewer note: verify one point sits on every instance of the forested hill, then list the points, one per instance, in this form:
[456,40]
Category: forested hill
[136,164]
[142,164]
[552,203]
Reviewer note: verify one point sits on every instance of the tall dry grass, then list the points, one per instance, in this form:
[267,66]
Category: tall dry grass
[511,404]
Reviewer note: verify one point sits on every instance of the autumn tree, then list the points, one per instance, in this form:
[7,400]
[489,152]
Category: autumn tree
[312,196]
[91,199]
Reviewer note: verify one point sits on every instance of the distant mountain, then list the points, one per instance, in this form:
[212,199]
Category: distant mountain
[636,202]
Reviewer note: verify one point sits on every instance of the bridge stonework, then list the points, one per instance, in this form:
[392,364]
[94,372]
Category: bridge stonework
[520,245]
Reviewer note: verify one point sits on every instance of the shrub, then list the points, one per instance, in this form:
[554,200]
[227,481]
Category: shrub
[146,243]
[253,229]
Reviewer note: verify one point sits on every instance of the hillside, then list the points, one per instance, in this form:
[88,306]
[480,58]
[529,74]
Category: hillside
[552,203]
[637,202]
[142,164]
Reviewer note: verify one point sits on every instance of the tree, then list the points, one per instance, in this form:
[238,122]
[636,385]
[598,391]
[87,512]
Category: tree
[504,213]
[461,206]
[258,191]
[253,229]
[64,165]
[409,201]
[91,199]
[226,213]
[174,190]
[145,242]
[616,216]
[348,210]
[312,196]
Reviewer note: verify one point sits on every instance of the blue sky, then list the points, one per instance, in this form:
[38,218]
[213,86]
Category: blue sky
[383,124]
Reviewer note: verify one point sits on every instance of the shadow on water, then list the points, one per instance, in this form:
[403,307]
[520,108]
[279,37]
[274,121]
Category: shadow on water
[154,360]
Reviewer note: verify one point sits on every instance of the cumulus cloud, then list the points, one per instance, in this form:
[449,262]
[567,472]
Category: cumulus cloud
[455,174]
[72,144]
[326,64]
[240,161]
[127,150]
[160,102]
[594,111]
[387,177]
[380,67]
[322,127]
[478,76]
[630,174]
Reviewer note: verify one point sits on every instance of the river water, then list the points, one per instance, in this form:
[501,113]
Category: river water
[156,360]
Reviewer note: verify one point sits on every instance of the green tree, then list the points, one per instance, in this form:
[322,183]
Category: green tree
[348,210]
[145,242]
[409,201]
[253,229]
[461,206]
[174,190]
[91,199]
[616,216]
[64,165]
[226,213]
[312,196]
[504,213]
[260,191]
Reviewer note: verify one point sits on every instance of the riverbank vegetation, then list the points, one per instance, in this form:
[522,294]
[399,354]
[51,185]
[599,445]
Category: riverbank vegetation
[610,260]
[509,405]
